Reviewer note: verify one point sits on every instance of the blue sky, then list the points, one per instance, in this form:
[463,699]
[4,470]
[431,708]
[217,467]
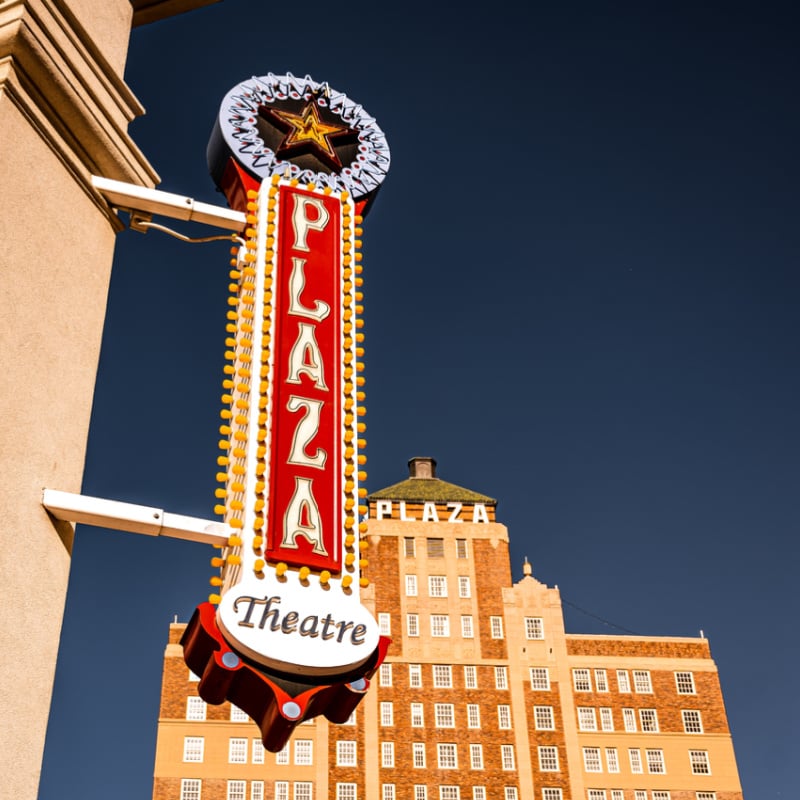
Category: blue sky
[581,295]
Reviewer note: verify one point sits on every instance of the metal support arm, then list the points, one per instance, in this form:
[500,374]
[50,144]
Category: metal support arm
[132,518]
[141,200]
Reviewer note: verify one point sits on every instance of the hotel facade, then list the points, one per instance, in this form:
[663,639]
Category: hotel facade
[483,695]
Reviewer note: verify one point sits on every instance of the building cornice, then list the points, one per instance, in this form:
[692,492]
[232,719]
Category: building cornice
[147,11]
[72,97]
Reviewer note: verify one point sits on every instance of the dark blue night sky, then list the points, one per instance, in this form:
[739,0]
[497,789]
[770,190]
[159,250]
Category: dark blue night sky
[582,285]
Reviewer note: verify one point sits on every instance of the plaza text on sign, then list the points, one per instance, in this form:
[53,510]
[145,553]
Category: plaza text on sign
[304,509]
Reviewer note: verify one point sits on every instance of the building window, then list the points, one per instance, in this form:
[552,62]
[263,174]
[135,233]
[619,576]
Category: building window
[540,678]
[464,588]
[655,762]
[409,551]
[257,751]
[500,678]
[195,708]
[281,790]
[237,715]
[412,624]
[612,759]
[684,682]
[606,719]
[640,794]
[444,715]
[591,759]
[193,678]
[449,793]
[435,548]
[552,794]
[543,718]
[534,628]
[496,627]
[385,624]
[473,715]
[411,585]
[587,719]
[302,790]
[476,756]
[582,680]
[600,680]
[692,721]
[388,792]
[442,676]
[256,790]
[504,717]
[420,792]
[440,625]
[437,586]
[190,789]
[346,753]
[699,761]
[478,793]
[548,759]
[385,675]
[387,754]
[507,757]
[623,681]
[345,791]
[237,751]
[466,627]
[470,677]
[417,715]
[705,795]
[237,790]
[415,676]
[635,757]
[648,717]
[660,795]
[641,682]
[629,719]
[418,752]
[617,794]
[461,548]
[447,756]
[387,714]
[282,756]
[510,793]
[304,752]
[193,747]
[596,794]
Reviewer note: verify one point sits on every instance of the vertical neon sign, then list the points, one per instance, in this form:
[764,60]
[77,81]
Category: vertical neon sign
[304,162]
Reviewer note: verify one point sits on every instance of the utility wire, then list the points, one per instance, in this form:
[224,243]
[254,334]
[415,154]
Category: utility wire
[600,619]
[230,237]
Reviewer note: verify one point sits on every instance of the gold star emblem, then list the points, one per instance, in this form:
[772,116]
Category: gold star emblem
[307,132]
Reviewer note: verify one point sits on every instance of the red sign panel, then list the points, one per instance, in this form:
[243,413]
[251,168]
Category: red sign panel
[305,494]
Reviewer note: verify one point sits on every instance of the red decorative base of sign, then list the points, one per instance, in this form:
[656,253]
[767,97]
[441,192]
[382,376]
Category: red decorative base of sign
[277,703]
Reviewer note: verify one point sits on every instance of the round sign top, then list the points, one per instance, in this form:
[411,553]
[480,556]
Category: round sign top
[298,128]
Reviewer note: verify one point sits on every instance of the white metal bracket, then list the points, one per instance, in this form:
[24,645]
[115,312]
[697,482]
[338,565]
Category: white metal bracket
[143,203]
[132,518]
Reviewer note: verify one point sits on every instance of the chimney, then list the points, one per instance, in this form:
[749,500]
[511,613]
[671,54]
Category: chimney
[422,467]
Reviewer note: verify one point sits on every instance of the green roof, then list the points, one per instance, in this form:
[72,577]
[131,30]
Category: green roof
[434,490]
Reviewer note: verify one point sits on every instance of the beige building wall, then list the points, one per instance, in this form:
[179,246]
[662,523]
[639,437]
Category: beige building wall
[64,113]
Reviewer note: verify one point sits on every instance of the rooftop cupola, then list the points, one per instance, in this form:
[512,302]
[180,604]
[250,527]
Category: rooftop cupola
[422,467]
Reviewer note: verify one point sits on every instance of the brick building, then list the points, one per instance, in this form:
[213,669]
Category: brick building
[483,695]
